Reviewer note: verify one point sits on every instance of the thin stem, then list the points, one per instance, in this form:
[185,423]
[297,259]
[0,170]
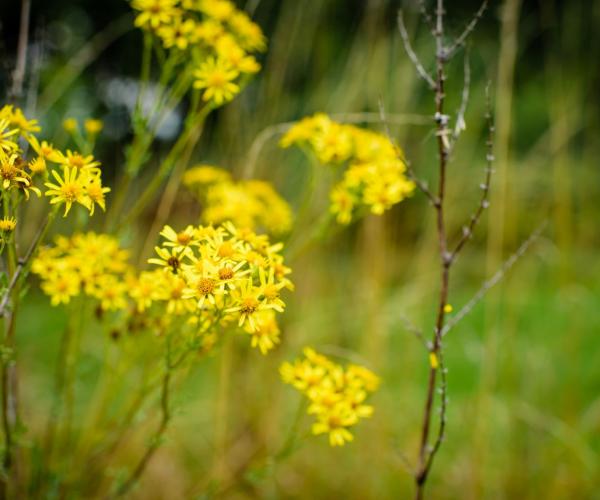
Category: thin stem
[425,454]
[19,72]
[468,229]
[411,53]
[165,417]
[188,138]
[462,38]
[25,262]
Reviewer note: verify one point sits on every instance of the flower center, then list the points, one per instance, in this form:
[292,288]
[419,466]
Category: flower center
[249,305]
[206,285]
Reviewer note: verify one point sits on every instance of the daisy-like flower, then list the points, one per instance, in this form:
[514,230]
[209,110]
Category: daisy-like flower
[266,334]
[95,192]
[178,34]
[217,77]
[169,258]
[44,149]
[76,160]
[203,286]
[25,126]
[7,143]
[248,305]
[7,224]
[335,423]
[336,394]
[179,240]
[154,13]
[68,190]
[10,173]
[269,289]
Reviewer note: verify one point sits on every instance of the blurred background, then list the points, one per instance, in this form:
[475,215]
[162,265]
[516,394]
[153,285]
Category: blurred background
[524,367]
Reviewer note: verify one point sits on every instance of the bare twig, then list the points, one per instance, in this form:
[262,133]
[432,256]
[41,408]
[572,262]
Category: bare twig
[467,231]
[427,455]
[410,327]
[462,38]
[411,53]
[443,409]
[497,277]
[460,124]
[18,76]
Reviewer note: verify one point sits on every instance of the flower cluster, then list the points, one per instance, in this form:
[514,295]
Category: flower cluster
[91,264]
[375,177]
[230,275]
[208,277]
[336,394]
[250,204]
[70,177]
[220,39]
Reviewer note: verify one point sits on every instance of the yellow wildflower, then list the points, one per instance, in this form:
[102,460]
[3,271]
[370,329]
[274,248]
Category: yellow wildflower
[216,76]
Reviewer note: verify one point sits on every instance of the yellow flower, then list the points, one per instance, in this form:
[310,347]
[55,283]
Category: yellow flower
[248,33]
[336,423]
[170,259]
[178,33]
[154,13]
[216,76]
[68,190]
[61,287]
[220,10]
[266,334]
[7,143]
[44,150]
[95,192]
[204,175]
[228,49]
[37,165]
[179,240]
[93,126]
[336,394]
[8,224]
[18,120]
[78,161]
[70,124]
[10,173]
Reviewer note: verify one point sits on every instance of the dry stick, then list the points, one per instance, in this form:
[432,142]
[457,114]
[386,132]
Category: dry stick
[19,73]
[497,277]
[460,41]
[425,458]
[460,124]
[411,53]
[467,231]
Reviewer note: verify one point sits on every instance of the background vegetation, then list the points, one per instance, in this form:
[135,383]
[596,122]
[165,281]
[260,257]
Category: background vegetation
[524,367]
